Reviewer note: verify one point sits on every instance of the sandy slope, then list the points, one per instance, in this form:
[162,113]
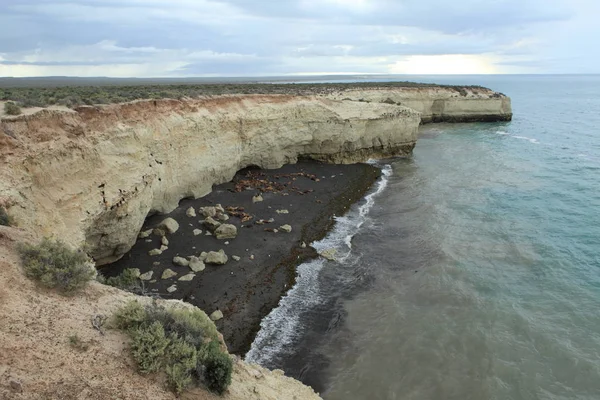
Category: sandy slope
[37,361]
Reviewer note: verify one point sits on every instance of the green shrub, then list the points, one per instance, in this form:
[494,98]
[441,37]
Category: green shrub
[217,367]
[148,346]
[182,342]
[130,316]
[11,108]
[54,265]
[128,280]
[5,219]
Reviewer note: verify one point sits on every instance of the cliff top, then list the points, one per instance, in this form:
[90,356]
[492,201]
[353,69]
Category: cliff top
[72,96]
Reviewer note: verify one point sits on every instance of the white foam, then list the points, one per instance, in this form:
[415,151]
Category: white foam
[531,140]
[281,327]
[502,133]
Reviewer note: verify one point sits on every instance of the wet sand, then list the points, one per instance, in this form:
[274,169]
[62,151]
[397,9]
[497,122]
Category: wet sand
[248,289]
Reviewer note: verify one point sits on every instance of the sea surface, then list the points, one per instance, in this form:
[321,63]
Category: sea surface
[471,271]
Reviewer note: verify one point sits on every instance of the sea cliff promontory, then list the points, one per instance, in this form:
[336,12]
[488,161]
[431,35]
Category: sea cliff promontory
[91,175]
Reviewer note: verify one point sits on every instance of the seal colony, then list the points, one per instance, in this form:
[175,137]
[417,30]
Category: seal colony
[92,175]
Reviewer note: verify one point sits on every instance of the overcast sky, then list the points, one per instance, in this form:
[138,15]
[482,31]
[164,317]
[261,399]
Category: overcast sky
[163,38]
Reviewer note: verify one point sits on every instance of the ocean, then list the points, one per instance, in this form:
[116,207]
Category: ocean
[471,270]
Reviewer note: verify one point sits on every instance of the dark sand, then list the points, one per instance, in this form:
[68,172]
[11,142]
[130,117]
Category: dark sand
[247,290]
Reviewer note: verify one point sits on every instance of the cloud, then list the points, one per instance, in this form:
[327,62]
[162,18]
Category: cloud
[253,37]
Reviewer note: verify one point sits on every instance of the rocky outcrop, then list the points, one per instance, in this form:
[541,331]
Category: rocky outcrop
[91,176]
[438,104]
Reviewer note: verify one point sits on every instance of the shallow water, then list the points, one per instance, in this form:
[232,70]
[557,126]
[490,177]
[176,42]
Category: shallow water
[472,272]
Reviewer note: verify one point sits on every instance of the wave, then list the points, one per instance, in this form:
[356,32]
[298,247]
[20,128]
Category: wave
[280,328]
[531,140]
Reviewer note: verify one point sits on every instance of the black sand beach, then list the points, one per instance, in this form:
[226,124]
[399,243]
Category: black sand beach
[248,289]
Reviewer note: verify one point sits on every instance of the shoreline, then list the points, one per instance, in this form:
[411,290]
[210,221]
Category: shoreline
[249,289]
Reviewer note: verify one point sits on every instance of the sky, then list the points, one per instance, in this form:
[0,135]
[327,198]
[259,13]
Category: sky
[180,38]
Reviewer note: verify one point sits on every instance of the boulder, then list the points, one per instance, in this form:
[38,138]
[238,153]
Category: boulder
[222,217]
[146,276]
[208,211]
[219,208]
[196,264]
[329,254]
[181,261]
[145,234]
[211,224]
[203,255]
[257,199]
[217,315]
[163,248]
[172,288]
[155,252]
[216,257]
[169,225]
[197,232]
[164,241]
[187,278]
[168,274]
[285,228]
[190,212]
[226,231]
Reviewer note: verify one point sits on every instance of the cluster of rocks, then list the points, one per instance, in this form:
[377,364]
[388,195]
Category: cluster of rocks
[214,222]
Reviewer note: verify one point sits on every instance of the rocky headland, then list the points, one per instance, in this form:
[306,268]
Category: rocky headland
[92,176]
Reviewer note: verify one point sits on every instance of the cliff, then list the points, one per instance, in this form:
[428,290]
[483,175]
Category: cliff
[438,104]
[90,176]
[93,175]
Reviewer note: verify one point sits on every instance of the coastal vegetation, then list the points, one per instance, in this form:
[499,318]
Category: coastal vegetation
[11,108]
[55,265]
[73,96]
[5,219]
[183,343]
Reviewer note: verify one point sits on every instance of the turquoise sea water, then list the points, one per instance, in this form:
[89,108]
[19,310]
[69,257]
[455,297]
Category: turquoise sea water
[472,272]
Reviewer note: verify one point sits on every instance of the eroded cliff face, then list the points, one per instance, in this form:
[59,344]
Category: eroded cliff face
[439,104]
[93,175]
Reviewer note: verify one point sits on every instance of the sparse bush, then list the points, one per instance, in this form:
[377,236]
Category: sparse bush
[5,219]
[11,108]
[148,346]
[217,367]
[182,342]
[128,280]
[54,265]
[77,343]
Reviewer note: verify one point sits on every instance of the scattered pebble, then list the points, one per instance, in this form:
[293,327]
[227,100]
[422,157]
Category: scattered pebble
[168,274]
[148,240]
[169,225]
[197,232]
[181,261]
[159,232]
[282,211]
[155,252]
[196,264]
[190,212]
[164,241]
[156,263]
[226,242]
[286,228]
[208,233]
[146,276]
[236,258]
[145,234]
[257,199]
[217,315]
[187,278]
[252,257]
[163,248]
[303,245]
[171,288]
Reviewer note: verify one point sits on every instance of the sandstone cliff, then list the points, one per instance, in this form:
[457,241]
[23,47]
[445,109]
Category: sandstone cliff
[438,104]
[93,175]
